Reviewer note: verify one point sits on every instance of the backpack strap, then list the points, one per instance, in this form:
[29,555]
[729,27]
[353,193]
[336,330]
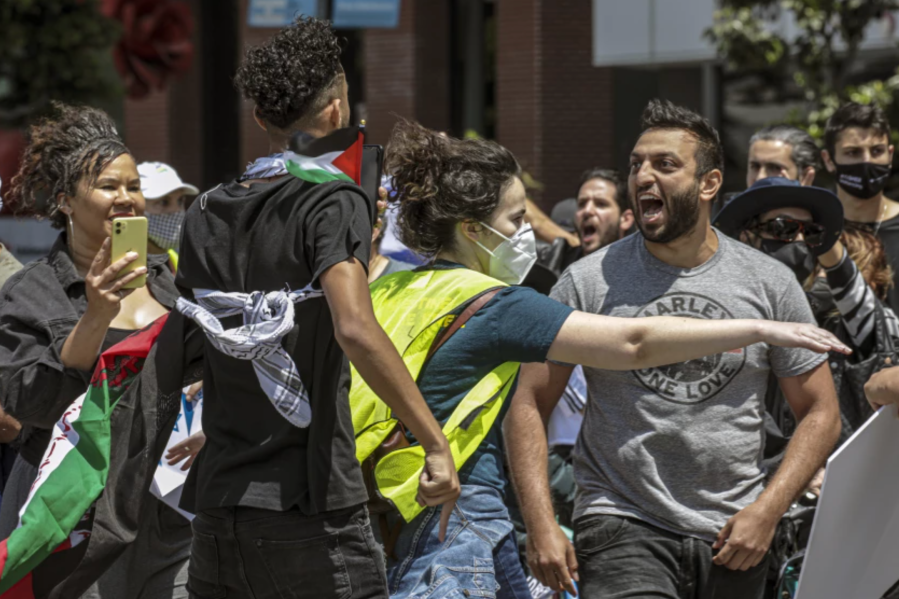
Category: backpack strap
[470,310]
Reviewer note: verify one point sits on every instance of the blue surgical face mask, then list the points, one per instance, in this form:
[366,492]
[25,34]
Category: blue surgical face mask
[512,260]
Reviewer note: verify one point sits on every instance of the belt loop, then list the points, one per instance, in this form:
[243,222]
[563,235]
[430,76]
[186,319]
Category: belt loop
[232,522]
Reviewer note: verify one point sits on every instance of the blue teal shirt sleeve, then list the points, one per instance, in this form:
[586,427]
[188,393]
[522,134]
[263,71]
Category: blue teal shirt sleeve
[522,322]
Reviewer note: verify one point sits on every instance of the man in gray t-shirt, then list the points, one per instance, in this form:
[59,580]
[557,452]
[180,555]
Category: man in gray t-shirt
[683,450]
[672,500]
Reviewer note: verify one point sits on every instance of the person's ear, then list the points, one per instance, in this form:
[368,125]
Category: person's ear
[471,230]
[625,222]
[891,153]
[258,118]
[828,161]
[333,113]
[710,185]
[808,176]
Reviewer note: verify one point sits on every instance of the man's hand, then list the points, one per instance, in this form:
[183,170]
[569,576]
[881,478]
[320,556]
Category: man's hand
[193,391]
[189,448]
[746,538]
[552,560]
[439,484]
[379,222]
[814,487]
[882,389]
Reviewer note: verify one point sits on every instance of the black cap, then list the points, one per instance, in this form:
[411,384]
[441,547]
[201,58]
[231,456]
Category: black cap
[563,214]
[777,192]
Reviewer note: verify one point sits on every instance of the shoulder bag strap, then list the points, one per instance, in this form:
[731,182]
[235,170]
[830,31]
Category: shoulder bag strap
[470,310]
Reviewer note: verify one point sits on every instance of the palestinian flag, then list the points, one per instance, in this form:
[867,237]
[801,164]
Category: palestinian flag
[336,157]
[57,516]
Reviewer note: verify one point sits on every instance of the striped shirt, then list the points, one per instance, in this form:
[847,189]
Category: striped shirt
[857,304]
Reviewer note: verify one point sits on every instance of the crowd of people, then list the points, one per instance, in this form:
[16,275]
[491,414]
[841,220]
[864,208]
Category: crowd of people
[667,387]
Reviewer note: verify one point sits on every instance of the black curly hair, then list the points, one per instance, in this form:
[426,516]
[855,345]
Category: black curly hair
[289,77]
[441,181]
[73,143]
[665,114]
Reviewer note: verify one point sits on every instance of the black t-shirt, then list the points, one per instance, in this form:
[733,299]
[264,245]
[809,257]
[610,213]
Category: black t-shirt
[888,233]
[270,237]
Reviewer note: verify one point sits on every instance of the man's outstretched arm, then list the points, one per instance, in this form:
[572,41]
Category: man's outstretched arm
[549,552]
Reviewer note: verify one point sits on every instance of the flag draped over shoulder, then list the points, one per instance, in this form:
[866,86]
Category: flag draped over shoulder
[82,510]
[335,157]
[74,469]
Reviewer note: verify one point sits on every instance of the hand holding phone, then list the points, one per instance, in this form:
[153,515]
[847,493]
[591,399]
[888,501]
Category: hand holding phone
[129,234]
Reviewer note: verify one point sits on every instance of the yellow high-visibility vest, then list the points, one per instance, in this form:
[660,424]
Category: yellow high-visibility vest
[413,307]
[173,258]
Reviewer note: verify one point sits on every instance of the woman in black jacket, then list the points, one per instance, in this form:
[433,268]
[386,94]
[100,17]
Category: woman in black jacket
[60,312]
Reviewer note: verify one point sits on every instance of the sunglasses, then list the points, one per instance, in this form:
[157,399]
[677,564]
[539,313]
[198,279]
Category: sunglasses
[787,229]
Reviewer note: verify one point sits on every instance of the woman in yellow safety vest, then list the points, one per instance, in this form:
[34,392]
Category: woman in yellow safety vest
[462,204]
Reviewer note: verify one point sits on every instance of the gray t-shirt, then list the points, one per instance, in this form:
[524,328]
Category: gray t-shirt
[680,446]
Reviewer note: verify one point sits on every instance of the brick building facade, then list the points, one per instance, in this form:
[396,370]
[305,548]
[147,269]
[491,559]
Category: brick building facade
[551,107]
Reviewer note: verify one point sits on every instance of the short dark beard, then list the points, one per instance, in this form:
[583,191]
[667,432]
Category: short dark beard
[610,235]
[683,214]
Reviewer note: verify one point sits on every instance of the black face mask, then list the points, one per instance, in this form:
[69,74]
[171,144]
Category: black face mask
[863,180]
[795,255]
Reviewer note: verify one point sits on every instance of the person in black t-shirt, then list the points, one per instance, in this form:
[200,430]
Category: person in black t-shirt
[279,505]
[859,153]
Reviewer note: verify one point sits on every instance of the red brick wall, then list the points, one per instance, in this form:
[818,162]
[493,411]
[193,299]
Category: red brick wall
[147,127]
[518,81]
[577,99]
[253,141]
[407,69]
[166,125]
[185,110]
[554,108]
[432,66]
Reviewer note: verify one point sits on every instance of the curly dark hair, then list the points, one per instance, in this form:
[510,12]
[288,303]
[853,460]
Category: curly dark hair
[664,114]
[441,181]
[72,143]
[868,253]
[288,76]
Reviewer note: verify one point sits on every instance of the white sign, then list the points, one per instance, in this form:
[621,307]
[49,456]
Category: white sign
[168,481]
[853,552]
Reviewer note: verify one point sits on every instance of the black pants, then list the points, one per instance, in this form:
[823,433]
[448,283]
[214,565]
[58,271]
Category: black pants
[621,558]
[248,553]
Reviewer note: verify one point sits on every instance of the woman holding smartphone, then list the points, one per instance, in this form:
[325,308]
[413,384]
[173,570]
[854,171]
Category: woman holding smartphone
[60,312]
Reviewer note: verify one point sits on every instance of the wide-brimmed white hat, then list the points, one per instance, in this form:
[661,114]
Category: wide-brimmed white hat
[158,180]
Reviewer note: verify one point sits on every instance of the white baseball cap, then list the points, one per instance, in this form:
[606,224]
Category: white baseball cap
[158,180]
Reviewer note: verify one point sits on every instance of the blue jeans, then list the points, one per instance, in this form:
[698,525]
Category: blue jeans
[478,558]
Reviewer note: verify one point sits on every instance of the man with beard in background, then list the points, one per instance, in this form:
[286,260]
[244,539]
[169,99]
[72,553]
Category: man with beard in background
[601,216]
[672,500]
